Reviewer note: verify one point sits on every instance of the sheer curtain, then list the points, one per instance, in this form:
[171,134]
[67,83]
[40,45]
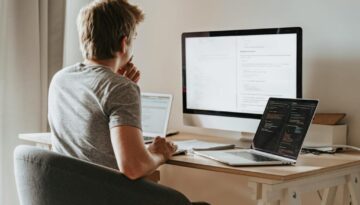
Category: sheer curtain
[31,44]
[2,50]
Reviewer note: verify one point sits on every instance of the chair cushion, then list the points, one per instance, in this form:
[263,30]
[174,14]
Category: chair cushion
[48,178]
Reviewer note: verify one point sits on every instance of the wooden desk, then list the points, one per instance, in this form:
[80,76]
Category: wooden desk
[285,184]
[278,184]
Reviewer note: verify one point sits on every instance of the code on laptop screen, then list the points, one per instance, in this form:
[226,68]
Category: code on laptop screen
[284,125]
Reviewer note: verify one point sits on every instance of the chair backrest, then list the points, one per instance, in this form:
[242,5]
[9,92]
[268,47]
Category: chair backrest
[48,178]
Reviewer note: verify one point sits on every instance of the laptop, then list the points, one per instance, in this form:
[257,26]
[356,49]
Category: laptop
[279,137]
[155,112]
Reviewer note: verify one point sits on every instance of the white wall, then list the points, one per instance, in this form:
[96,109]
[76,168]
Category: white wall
[331,46]
[72,52]
[331,67]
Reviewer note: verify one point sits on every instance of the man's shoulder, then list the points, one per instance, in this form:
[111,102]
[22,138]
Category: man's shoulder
[70,68]
[65,71]
[105,78]
[98,72]
[120,86]
[96,77]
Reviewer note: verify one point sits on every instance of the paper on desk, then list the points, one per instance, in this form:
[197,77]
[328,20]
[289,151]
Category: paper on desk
[199,145]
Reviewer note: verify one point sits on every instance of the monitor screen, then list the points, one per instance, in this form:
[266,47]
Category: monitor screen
[233,73]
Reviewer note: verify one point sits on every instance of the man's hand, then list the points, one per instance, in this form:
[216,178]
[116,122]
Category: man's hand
[130,71]
[161,146]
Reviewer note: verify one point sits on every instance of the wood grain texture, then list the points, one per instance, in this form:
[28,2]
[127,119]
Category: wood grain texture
[328,118]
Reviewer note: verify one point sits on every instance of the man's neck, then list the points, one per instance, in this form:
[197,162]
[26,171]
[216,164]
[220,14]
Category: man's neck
[112,64]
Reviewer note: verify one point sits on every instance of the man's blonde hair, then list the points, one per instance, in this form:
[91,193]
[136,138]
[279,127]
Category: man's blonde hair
[102,24]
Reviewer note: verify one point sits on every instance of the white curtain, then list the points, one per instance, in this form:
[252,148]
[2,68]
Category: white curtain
[31,43]
[2,49]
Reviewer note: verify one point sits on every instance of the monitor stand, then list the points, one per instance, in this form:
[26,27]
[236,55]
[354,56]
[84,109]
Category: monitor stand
[247,136]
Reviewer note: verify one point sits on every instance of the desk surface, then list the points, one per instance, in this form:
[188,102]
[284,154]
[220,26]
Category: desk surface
[307,164]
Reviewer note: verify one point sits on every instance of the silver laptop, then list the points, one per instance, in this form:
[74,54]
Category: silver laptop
[155,112]
[279,137]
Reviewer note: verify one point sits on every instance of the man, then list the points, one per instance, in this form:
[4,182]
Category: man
[94,106]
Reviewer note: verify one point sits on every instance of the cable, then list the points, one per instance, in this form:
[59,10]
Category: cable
[334,146]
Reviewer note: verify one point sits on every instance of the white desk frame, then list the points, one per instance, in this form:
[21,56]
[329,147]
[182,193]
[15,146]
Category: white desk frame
[288,193]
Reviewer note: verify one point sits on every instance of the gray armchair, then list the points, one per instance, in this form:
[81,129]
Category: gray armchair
[47,178]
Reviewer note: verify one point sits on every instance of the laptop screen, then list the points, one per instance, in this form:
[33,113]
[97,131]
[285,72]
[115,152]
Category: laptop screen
[283,126]
[155,111]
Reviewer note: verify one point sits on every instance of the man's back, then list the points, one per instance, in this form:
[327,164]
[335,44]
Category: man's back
[94,108]
[85,101]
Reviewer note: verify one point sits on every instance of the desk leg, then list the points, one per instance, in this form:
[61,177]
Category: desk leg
[353,182]
[346,195]
[268,195]
[260,194]
[291,197]
[329,196]
[256,190]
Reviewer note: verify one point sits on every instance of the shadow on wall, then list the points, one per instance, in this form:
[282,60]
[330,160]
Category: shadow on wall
[336,83]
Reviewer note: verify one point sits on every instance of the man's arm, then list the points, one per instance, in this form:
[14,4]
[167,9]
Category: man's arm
[133,158]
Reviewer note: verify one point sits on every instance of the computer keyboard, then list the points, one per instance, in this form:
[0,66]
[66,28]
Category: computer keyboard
[253,157]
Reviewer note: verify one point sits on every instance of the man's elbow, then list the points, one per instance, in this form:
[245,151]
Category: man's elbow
[132,173]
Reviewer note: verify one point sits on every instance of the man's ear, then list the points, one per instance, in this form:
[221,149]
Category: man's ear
[124,44]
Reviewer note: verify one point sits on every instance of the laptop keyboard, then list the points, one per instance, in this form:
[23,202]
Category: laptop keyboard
[148,138]
[253,157]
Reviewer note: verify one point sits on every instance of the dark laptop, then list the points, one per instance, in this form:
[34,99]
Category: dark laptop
[279,137]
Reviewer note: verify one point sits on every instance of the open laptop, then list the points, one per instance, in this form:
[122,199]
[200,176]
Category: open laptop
[279,137]
[155,112]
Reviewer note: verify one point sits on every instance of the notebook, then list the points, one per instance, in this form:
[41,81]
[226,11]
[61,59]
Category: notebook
[155,112]
[279,137]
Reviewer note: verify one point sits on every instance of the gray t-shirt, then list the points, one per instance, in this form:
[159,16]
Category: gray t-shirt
[85,102]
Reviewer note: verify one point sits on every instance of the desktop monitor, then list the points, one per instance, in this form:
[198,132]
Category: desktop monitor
[228,76]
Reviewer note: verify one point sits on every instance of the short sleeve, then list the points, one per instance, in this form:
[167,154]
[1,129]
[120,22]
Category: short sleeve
[122,106]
